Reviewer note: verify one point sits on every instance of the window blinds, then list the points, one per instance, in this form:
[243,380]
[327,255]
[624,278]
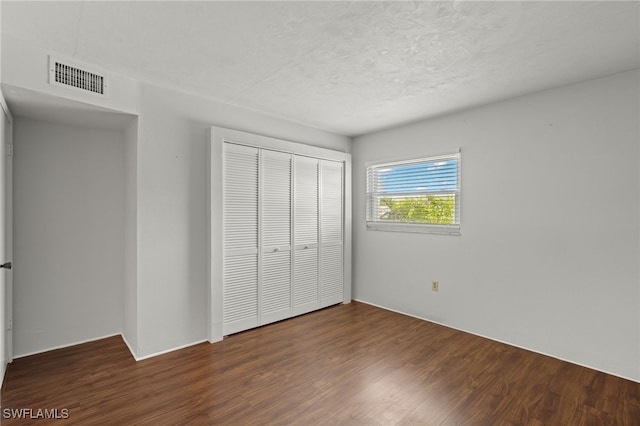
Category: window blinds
[418,195]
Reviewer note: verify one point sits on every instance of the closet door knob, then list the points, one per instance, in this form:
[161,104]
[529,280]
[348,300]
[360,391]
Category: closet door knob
[276,249]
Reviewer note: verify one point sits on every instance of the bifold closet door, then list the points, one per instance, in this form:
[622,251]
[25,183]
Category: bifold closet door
[331,232]
[240,223]
[280,230]
[275,224]
[306,295]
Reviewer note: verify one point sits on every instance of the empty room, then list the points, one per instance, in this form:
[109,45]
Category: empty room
[320,212]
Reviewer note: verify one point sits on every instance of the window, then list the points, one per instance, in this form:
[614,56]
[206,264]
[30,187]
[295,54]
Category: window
[419,195]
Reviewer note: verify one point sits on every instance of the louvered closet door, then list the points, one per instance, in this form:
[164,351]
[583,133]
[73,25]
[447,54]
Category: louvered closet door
[275,224]
[331,232]
[240,222]
[306,295]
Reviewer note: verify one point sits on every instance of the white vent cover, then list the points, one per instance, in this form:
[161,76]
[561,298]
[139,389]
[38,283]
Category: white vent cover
[67,74]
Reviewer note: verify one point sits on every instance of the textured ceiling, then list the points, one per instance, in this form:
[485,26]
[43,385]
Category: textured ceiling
[347,67]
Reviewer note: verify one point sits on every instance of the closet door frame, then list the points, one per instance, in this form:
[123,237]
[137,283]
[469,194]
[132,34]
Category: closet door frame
[218,136]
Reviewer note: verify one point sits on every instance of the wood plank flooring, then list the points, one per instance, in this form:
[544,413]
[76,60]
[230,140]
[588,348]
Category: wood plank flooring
[345,365]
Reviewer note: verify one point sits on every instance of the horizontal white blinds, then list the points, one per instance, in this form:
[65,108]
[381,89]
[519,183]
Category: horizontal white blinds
[240,197]
[423,191]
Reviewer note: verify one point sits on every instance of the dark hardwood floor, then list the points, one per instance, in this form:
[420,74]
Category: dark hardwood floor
[349,364]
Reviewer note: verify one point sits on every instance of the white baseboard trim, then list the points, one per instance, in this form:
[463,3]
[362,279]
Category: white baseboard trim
[497,340]
[177,348]
[93,339]
[124,339]
[126,342]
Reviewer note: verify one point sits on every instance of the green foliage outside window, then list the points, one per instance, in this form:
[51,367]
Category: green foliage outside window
[427,209]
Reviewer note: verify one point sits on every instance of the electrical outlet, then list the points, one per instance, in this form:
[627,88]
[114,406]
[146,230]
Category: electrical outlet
[435,285]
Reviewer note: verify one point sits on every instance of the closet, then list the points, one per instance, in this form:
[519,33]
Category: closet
[283,209]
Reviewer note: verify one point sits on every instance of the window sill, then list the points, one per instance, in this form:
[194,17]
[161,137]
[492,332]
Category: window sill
[414,228]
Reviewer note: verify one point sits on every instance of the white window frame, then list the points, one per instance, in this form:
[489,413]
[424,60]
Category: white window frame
[372,198]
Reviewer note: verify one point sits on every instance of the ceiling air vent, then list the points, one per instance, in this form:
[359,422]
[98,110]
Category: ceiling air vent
[66,74]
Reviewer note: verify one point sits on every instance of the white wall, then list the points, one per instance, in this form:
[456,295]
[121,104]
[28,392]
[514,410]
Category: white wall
[68,246]
[130,282]
[1,37]
[172,231]
[548,257]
